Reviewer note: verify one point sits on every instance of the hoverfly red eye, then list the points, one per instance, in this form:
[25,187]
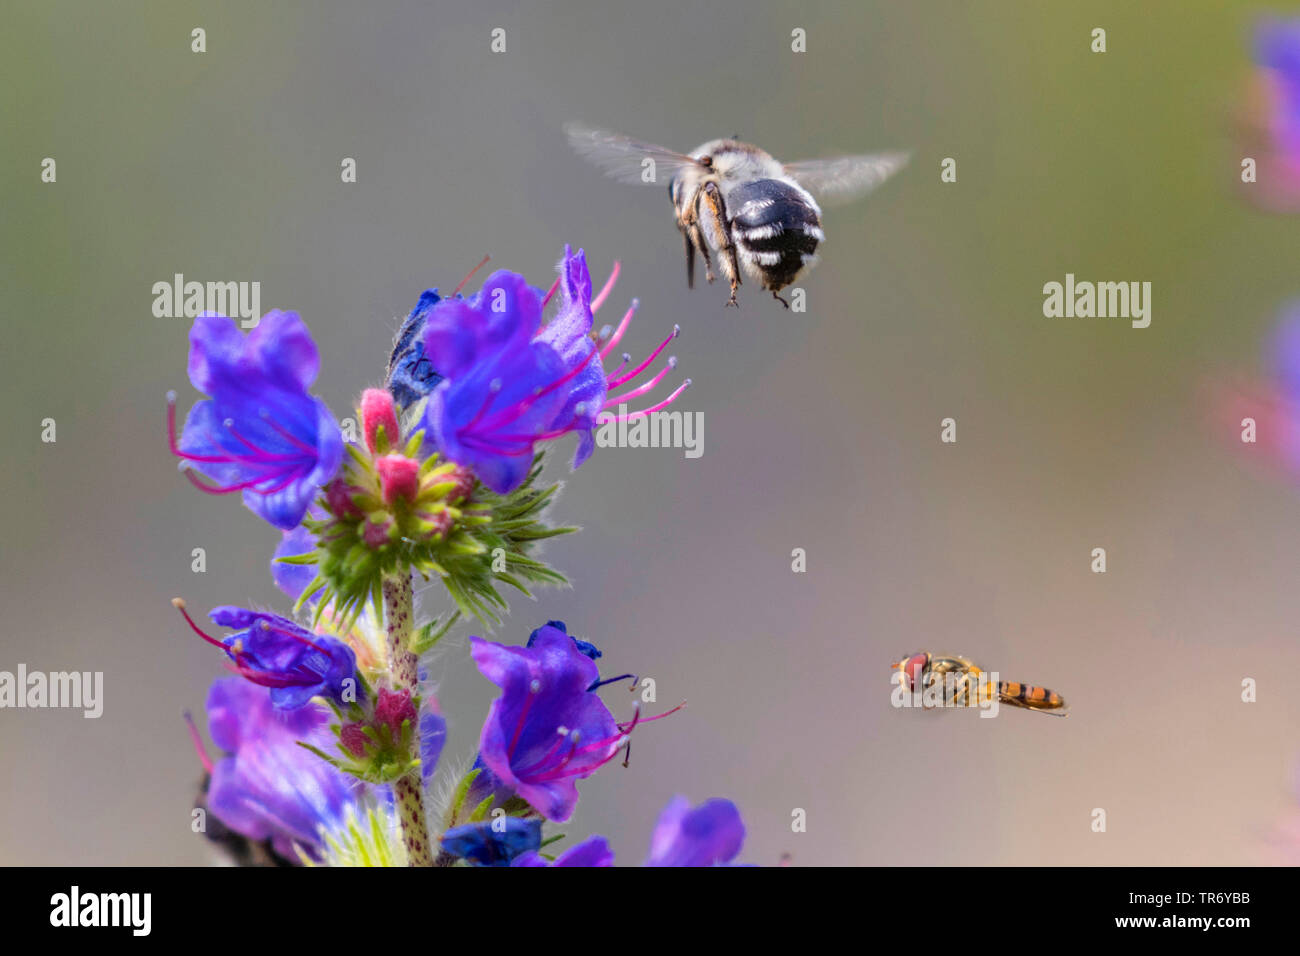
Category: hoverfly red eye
[913,668]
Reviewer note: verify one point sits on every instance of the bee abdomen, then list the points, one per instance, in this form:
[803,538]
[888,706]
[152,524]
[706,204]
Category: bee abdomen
[776,228]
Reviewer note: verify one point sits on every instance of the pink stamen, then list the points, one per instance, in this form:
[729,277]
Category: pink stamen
[560,741]
[621,365]
[641,390]
[262,453]
[199,749]
[465,281]
[523,713]
[222,489]
[517,447]
[554,286]
[285,483]
[556,774]
[638,719]
[179,604]
[171,436]
[614,383]
[603,417]
[300,638]
[597,302]
[618,332]
[302,678]
[517,410]
[292,438]
[494,387]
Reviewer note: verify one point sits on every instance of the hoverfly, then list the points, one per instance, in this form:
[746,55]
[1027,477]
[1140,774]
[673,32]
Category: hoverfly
[962,680]
[734,199]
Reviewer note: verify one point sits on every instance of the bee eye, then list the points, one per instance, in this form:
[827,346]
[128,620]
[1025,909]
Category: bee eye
[706,161]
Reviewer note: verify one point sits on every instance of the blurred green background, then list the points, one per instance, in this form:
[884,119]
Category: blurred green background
[822,429]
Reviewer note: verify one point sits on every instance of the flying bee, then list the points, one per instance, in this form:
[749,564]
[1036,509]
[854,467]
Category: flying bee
[964,683]
[735,200]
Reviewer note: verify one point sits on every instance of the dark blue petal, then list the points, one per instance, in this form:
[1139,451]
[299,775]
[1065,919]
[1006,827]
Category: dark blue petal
[493,842]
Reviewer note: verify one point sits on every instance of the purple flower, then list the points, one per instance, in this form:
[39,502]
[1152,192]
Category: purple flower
[293,579]
[260,431]
[274,652]
[547,729]
[585,647]
[493,843]
[1268,122]
[706,835]
[593,851]
[1277,49]
[433,735]
[267,787]
[1285,348]
[509,383]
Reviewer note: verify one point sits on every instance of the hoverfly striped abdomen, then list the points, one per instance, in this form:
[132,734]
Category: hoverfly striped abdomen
[777,228]
[1029,695]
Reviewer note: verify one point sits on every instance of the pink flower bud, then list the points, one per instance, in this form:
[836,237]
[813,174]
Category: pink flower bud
[353,738]
[376,534]
[442,523]
[377,409]
[392,708]
[399,477]
[464,479]
[338,497]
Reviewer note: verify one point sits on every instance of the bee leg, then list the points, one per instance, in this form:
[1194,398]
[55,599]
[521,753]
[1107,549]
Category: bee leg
[698,237]
[689,223]
[726,248]
[776,295]
[690,259]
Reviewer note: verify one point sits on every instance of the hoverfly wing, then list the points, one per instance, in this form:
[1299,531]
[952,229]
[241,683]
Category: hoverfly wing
[623,158]
[846,177]
[1062,711]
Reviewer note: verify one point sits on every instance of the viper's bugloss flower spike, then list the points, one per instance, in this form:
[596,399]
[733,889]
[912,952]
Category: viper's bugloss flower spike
[548,728]
[267,786]
[594,851]
[493,842]
[292,662]
[260,432]
[509,383]
[707,835]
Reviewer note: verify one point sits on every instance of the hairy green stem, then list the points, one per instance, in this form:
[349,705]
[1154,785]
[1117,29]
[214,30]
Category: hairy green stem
[399,609]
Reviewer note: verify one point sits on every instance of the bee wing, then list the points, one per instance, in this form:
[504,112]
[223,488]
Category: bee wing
[846,177]
[623,158]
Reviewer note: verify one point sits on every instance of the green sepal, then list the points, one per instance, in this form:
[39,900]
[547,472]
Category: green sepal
[431,633]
